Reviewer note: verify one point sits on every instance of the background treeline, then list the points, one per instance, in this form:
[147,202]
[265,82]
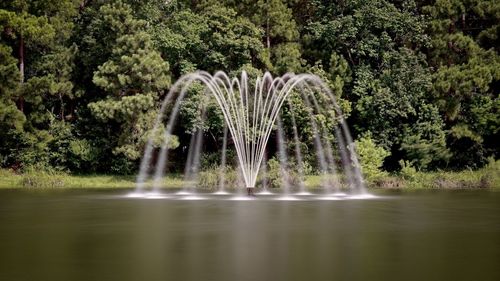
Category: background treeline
[81,80]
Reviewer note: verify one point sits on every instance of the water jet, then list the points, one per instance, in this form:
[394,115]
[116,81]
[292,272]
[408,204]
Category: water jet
[252,112]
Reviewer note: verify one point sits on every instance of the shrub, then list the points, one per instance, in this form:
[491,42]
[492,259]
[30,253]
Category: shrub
[389,182]
[371,157]
[122,165]
[210,178]
[42,178]
[408,172]
[275,175]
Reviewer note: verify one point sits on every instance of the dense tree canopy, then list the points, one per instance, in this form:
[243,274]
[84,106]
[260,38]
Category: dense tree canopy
[81,80]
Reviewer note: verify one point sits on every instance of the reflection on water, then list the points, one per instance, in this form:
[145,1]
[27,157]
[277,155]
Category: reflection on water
[90,235]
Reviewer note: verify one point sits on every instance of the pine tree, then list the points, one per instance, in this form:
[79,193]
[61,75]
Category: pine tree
[132,80]
[11,118]
[38,32]
[24,29]
[464,56]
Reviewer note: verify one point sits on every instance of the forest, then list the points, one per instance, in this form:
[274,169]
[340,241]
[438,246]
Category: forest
[81,81]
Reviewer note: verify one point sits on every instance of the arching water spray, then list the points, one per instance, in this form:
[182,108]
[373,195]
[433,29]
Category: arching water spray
[283,157]
[298,152]
[223,169]
[249,118]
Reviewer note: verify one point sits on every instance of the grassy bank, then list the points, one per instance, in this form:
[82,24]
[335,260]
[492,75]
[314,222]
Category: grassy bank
[33,179]
[487,177]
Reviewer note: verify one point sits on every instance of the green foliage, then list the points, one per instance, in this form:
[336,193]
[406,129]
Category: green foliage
[31,27]
[34,177]
[371,157]
[407,171]
[487,177]
[287,58]
[10,117]
[211,178]
[132,79]
[39,32]
[390,81]
[466,64]
[181,39]
[276,174]
[214,38]
[67,151]
[81,81]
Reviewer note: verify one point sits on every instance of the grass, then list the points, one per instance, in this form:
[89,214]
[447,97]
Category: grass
[487,177]
[33,179]
[115,181]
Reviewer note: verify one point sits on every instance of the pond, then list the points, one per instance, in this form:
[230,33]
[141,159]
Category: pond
[101,235]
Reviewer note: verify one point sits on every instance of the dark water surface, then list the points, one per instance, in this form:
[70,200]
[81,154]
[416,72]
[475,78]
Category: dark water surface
[95,235]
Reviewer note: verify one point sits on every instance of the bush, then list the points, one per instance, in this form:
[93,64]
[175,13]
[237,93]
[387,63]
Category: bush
[42,178]
[389,182]
[275,175]
[67,151]
[123,166]
[371,157]
[210,178]
[407,172]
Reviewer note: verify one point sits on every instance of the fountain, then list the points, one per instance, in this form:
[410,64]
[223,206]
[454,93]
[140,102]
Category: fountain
[252,113]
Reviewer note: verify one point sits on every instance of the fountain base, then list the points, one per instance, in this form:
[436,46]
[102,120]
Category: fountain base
[250,191]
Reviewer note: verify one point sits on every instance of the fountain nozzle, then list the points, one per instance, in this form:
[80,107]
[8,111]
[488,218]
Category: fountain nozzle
[250,191]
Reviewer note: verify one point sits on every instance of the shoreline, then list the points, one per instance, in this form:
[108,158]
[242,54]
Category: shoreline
[485,178]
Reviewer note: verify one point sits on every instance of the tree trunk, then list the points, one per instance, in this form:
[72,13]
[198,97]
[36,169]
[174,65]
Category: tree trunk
[268,27]
[268,37]
[21,70]
[62,107]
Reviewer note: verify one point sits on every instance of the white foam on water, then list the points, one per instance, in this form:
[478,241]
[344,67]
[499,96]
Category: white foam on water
[332,198]
[302,193]
[264,192]
[340,194]
[182,192]
[362,196]
[193,197]
[220,192]
[287,198]
[156,195]
[147,195]
[136,195]
[242,198]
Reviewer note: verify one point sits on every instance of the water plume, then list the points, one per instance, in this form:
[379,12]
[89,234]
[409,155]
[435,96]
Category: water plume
[250,116]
